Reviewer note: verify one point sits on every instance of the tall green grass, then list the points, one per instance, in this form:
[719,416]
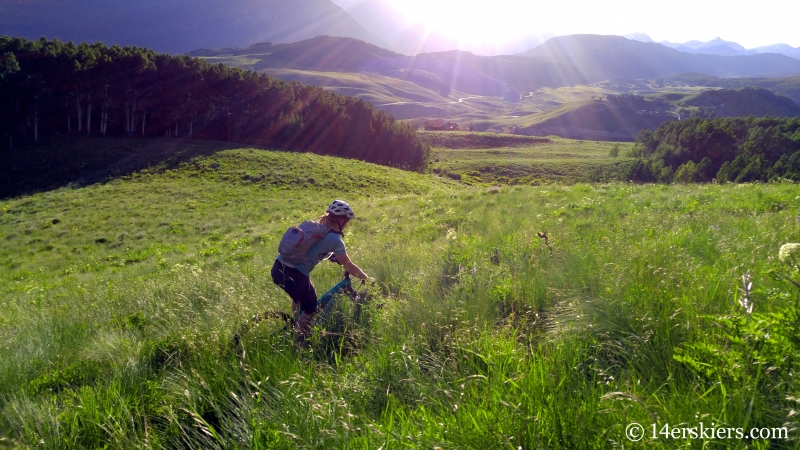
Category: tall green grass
[476,334]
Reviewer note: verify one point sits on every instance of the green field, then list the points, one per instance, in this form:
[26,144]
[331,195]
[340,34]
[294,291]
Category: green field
[243,61]
[521,160]
[120,300]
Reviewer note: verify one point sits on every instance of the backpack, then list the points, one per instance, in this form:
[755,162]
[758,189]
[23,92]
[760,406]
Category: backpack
[297,241]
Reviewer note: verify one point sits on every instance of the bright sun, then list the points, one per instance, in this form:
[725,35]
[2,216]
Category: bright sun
[471,21]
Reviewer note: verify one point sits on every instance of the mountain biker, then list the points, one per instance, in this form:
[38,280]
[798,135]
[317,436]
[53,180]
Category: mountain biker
[293,277]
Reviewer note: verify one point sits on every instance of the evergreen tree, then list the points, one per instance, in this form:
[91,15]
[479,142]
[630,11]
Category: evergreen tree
[49,87]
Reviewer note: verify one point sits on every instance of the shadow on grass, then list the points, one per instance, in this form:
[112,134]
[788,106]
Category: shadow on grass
[81,161]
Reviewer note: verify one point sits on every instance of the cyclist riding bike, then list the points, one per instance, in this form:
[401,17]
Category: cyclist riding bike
[296,260]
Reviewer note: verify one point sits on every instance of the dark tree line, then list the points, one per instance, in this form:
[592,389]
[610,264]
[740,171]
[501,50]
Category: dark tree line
[50,88]
[742,149]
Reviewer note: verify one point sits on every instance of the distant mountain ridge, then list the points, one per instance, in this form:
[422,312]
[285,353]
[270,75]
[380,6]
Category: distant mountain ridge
[606,57]
[718,46]
[177,26]
[333,54]
[562,61]
[441,70]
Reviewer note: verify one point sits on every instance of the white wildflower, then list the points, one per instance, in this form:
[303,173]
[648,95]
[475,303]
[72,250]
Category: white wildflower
[788,252]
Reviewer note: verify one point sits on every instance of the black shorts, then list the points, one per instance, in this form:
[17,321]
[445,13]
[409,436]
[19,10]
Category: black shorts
[298,286]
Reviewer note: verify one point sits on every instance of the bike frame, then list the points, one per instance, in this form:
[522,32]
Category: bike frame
[325,303]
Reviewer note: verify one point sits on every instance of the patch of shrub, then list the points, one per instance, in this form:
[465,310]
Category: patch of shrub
[71,376]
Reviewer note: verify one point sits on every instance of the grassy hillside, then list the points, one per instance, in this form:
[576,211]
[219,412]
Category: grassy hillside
[120,300]
[332,54]
[403,98]
[77,162]
[743,102]
[620,117]
[376,89]
[409,97]
[65,162]
[489,158]
[74,162]
[615,118]
[789,86]
[467,140]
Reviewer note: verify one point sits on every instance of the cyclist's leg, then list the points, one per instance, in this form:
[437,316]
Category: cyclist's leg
[292,281]
[308,307]
[301,290]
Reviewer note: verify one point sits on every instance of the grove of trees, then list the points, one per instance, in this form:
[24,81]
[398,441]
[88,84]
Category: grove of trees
[51,88]
[742,149]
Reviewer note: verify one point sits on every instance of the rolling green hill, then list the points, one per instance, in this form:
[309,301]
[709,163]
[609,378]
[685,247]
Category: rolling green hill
[789,86]
[332,54]
[748,101]
[401,97]
[621,117]
[71,161]
[461,70]
[376,89]
[616,118]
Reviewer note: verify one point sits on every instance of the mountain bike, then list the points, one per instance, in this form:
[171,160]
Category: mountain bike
[272,323]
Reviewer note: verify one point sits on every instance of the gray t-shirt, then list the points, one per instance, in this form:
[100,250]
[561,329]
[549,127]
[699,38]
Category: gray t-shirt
[331,243]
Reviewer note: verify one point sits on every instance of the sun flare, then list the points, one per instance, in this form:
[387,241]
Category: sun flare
[472,21]
[481,21]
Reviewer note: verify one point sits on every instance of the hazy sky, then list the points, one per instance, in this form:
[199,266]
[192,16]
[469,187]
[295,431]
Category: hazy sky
[751,24]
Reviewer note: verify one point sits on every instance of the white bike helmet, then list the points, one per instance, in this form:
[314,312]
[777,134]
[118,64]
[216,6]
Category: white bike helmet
[341,208]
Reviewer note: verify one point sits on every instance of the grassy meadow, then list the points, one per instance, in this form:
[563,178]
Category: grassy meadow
[523,160]
[120,300]
[374,88]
